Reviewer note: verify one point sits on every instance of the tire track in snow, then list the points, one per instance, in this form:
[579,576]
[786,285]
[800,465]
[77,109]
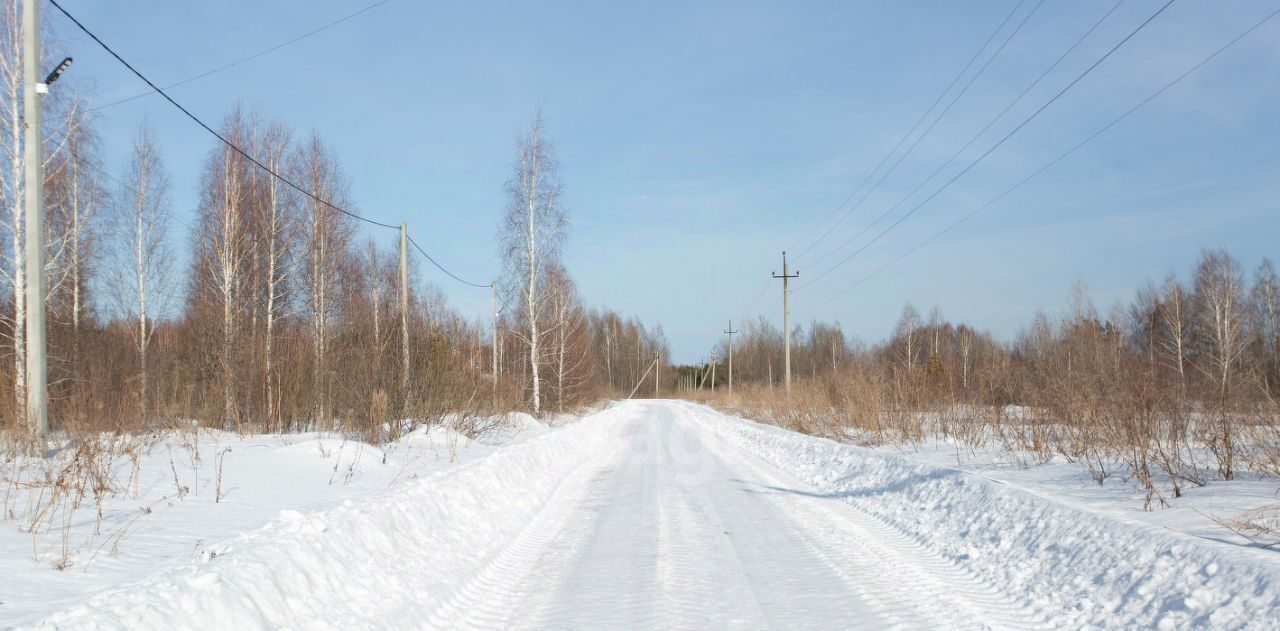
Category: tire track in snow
[921,577]
[659,535]
[856,570]
[651,561]
[490,599]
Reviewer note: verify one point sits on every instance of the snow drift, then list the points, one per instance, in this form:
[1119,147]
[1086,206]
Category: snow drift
[1076,569]
[377,561]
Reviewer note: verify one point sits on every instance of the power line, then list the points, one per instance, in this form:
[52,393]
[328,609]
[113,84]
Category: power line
[243,59]
[242,152]
[441,267]
[759,295]
[914,127]
[206,127]
[988,152]
[1056,160]
[968,84]
[972,140]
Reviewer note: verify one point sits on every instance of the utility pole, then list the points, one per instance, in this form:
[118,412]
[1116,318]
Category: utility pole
[786,321]
[404,310]
[33,188]
[730,331]
[608,356]
[493,289]
[657,374]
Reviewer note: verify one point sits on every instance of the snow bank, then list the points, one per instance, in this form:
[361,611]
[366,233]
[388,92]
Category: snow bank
[1076,569]
[379,560]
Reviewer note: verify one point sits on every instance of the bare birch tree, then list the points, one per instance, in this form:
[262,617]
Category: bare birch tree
[569,354]
[965,337]
[223,253]
[141,262]
[907,329]
[83,196]
[1220,306]
[278,222]
[1266,319]
[15,269]
[327,236]
[1175,329]
[531,234]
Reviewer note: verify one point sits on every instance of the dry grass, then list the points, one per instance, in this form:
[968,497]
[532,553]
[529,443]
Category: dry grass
[1108,431]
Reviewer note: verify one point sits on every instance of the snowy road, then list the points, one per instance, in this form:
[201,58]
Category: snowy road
[670,515]
[672,528]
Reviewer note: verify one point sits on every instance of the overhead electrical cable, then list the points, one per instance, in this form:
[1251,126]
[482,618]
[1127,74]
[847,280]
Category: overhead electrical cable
[997,145]
[1056,160]
[975,137]
[243,59]
[885,159]
[240,151]
[759,295]
[433,262]
[928,129]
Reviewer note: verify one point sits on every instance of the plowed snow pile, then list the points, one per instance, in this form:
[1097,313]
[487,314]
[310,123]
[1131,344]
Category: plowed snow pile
[1078,568]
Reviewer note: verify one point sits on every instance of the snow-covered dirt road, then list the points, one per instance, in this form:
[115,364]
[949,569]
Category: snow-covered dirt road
[673,528]
[665,514]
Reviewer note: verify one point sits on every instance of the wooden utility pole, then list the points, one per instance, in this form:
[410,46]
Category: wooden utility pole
[786,321]
[730,331]
[404,310]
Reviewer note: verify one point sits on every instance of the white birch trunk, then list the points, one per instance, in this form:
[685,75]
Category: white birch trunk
[532,288]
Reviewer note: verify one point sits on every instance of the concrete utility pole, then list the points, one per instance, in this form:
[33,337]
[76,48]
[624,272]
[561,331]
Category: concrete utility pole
[404,309]
[493,290]
[657,374]
[786,321]
[33,188]
[730,331]
[608,355]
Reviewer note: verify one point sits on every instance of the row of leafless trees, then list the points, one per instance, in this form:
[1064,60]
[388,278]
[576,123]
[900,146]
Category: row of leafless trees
[1180,385]
[284,319]
[278,318]
[272,312]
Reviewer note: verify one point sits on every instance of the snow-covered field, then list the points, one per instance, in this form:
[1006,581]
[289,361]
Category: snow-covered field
[1200,511]
[173,511]
[649,514]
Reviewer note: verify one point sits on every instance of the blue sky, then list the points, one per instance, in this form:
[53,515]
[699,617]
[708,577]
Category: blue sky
[698,140]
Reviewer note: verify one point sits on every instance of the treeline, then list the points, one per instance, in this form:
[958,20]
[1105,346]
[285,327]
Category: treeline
[273,310]
[1180,385]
